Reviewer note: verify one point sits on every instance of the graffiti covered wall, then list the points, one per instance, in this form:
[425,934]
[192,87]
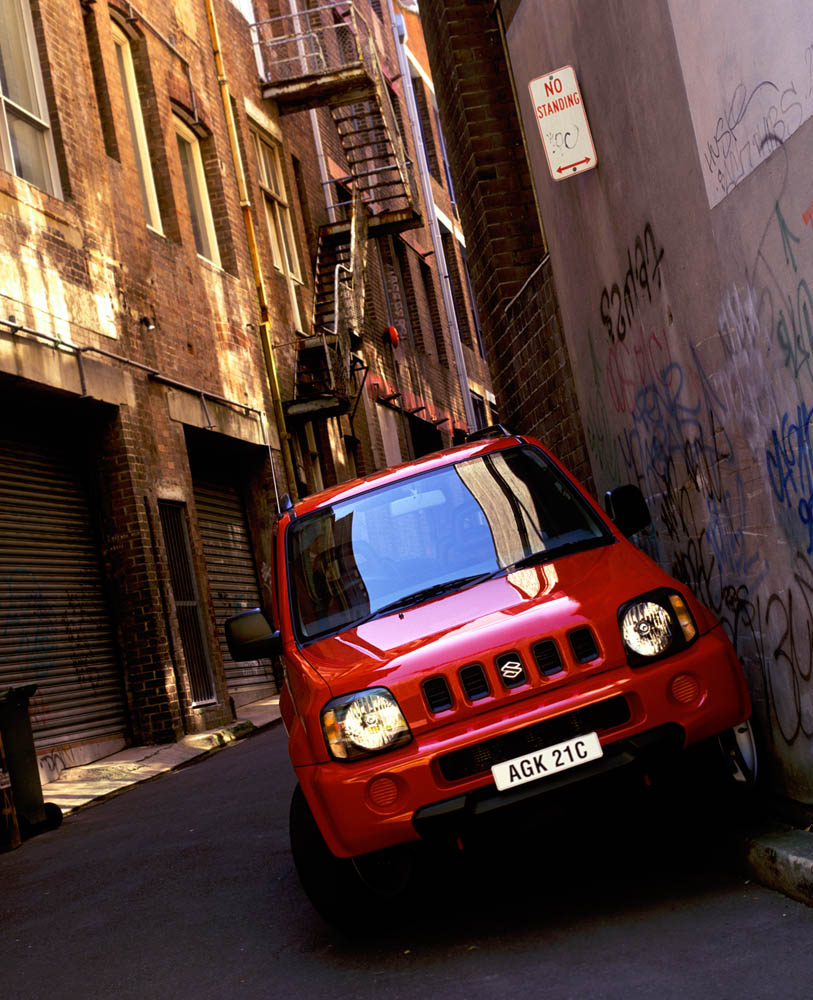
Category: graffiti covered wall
[684,265]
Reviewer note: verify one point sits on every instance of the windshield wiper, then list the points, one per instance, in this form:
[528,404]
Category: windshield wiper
[546,555]
[426,593]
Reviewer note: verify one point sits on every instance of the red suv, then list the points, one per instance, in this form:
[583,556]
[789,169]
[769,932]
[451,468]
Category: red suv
[466,632]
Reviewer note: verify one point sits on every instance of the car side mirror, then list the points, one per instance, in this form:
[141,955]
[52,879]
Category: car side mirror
[250,637]
[627,508]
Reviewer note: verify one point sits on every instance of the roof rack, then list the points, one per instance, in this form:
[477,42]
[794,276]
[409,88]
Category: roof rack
[494,430]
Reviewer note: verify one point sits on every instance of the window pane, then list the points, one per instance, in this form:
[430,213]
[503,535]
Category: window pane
[197,194]
[272,170]
[28,148]
[258,149]
[287,239]
[133,131]
[193,195]
[271,220]
[16,76]
[137,133]
[479,407]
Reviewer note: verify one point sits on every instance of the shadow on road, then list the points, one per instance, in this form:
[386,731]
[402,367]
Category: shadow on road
[582,863]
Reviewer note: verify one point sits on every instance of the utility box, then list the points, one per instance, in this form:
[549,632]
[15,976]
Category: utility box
[33,814]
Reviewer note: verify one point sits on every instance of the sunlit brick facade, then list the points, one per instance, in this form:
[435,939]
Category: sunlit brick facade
[159,304]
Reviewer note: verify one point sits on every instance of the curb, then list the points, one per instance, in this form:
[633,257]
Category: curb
[88,785]
[216,738]
[783,861]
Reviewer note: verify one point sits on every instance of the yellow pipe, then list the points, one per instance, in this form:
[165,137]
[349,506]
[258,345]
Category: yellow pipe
[248,221]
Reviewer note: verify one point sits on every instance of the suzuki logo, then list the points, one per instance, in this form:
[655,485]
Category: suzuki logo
[511,669]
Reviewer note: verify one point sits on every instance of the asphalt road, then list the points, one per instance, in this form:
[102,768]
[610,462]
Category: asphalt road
[184,887]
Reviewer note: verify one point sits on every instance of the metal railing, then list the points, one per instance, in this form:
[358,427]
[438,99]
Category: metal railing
[324,38]
[348,312]
[308,42]
[348,308]
[391,125]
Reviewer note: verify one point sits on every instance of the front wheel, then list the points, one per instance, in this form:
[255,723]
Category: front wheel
[732,779]
[739,748]
[353,894]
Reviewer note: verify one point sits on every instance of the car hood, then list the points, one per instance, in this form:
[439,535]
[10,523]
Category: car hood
[490,617]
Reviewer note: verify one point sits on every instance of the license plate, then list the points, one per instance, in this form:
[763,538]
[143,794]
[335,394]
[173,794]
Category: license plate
[550,760]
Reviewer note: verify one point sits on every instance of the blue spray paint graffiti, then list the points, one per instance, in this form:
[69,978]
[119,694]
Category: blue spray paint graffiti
[790,466]
[675,437]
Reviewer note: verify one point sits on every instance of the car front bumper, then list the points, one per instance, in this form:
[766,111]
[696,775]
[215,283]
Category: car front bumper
[397,797]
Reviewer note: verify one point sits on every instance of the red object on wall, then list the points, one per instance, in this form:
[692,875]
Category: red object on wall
[392,336]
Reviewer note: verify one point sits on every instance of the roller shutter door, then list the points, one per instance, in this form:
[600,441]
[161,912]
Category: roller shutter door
[232,578]
[55,629]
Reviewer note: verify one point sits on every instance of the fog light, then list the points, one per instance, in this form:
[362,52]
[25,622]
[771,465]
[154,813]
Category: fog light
[383,791]
[684,689]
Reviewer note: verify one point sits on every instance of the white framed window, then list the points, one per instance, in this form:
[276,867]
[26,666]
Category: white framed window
[138,134]
[277,214]
[26,140]
[197,193]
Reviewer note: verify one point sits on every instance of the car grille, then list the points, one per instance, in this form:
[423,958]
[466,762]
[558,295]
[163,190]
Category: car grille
[481,757]
[437,694]
[546,654]
[474,681]
[508,670]
[583,645]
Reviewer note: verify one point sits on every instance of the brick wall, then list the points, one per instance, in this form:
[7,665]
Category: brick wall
[505,246]
[136,586]
[146,308]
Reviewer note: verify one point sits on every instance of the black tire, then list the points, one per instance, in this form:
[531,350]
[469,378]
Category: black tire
[725,776]
[353,894]
[713,779]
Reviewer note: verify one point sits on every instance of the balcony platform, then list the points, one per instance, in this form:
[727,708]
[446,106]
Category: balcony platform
[317,407]
[334,88]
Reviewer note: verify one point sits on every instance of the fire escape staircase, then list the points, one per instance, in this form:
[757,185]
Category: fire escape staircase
[312,55]
[329,359]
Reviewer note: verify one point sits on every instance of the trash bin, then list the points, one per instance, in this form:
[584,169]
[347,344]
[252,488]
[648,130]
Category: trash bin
[33,814]
[9,828]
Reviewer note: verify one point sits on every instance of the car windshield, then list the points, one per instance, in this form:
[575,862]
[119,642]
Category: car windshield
[431,534]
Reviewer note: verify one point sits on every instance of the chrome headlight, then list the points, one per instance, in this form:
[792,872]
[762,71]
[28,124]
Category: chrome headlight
[655,625]
[364,723]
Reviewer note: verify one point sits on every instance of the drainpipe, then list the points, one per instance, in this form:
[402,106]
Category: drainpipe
[248,221]
[399,31]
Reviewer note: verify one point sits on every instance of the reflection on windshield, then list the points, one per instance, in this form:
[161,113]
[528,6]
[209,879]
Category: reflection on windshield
[433,533]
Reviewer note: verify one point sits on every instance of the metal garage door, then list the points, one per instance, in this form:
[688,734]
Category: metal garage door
[232,579]
[55,629]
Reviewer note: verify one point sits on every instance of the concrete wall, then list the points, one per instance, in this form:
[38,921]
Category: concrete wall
[684,265]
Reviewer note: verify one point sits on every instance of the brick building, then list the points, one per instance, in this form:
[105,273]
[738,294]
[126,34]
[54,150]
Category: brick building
[208,298]
[683,261]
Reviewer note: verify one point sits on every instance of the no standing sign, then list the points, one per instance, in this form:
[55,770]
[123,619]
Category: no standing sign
[562,122]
